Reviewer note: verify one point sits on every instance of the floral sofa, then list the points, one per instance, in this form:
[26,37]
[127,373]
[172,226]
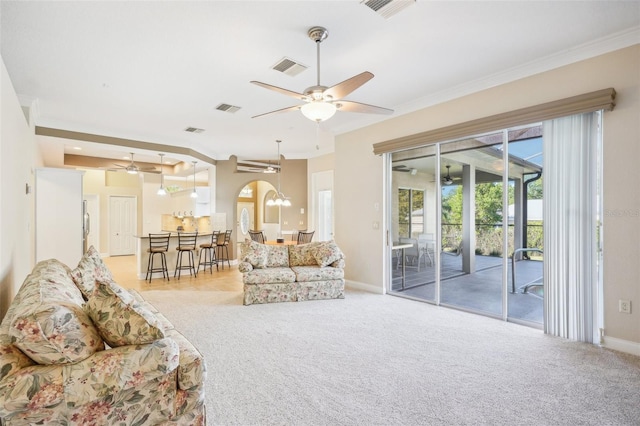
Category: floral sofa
[77,349]
[290,273]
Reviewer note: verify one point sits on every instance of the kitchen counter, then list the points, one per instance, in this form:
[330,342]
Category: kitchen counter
[143,257]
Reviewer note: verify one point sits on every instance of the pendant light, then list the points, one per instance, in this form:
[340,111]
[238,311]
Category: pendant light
[194,194]
[279,199]
[161,190]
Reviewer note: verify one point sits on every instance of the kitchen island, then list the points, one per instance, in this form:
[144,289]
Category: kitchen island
[142,246]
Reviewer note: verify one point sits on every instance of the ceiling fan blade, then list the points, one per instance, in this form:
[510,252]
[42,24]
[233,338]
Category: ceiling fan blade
[280,90]
[341,90]
[351,106]
[291,108]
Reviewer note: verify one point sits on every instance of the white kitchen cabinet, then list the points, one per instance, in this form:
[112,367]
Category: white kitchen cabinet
[184,205]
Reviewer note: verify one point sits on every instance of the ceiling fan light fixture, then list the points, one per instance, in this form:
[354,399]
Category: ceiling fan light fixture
[132,171]
[318,110]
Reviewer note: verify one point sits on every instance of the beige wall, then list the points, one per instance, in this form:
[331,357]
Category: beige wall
[360,179]
[18,158]
[106,184]
[293,184]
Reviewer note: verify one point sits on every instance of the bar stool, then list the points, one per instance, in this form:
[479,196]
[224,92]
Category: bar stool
[186,243]
[209,251]
[158,244]
[222,246]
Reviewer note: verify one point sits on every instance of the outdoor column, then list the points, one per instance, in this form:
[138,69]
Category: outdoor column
[517,216]
[468,219]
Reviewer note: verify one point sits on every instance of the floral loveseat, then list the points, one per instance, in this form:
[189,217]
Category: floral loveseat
[77,349]
[290,273]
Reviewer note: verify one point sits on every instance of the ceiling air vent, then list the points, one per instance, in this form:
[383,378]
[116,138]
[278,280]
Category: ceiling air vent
[289,67]
[193,130]
[228,108]
[387,8]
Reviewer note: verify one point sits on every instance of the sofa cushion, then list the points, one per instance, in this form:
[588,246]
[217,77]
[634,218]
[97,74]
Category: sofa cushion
[326,253]
[255,253]
[278,256]
[46,321]
[55,333]
[316,273]
[269,275]
[90,269]
[120,318]
[303,254]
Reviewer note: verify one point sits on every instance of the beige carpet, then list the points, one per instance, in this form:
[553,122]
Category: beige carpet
[383,360]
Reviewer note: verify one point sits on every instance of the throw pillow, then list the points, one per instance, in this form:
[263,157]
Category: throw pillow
[90,269]
[326,253]
[55,333]
[256,254]
[120,318]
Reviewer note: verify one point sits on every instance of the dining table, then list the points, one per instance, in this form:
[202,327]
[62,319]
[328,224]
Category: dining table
[284,243]
[402,247]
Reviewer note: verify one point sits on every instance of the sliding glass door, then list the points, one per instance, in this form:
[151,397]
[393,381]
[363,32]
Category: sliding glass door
[459,216]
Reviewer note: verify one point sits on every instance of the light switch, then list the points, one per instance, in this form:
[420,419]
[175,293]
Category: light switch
[376,225]
[302,210]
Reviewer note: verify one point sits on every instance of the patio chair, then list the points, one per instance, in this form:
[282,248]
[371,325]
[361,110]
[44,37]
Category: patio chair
[427,244]
[413,254]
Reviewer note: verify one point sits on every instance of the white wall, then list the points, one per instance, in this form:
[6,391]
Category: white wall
[17,161]
[360,182]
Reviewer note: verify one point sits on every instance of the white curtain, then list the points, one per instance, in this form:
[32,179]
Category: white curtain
[571,173]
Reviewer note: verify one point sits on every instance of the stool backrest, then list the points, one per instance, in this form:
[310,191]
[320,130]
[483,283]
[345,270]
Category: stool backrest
[159,241]
[187,240]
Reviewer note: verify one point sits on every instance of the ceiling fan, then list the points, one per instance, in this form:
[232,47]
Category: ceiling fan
[133,169]
[447,180]
[321,101]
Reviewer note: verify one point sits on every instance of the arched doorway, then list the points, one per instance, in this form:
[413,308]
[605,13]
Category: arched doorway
[252,212]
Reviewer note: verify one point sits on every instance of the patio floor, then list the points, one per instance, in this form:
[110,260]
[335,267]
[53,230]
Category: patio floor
[480,291]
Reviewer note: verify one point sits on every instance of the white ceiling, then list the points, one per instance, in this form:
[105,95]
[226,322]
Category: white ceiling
[147,70]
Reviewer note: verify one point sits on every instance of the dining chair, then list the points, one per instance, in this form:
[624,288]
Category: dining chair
[158,244]
[305,237]
[209,253]
[222,247]
[186,244]
[257,236]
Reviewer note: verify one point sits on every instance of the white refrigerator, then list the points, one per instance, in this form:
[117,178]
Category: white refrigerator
[60,229]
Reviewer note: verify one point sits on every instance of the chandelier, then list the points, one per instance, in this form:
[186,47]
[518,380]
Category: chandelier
[279,198]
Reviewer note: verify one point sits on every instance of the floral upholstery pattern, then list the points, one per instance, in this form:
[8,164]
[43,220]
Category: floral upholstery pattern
[326,253]
[254,253]
[303,254]
[49,325]
[90,269]
[316,273]
[51,333]
[292,274]
[270,293]
[321,290]
[157,383]
[120,319]
[278,256]
[269,275]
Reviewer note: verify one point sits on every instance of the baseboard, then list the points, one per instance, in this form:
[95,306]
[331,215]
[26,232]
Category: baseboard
[355,285]
[621,345]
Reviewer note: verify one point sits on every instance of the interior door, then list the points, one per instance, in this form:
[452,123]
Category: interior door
[122,225]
